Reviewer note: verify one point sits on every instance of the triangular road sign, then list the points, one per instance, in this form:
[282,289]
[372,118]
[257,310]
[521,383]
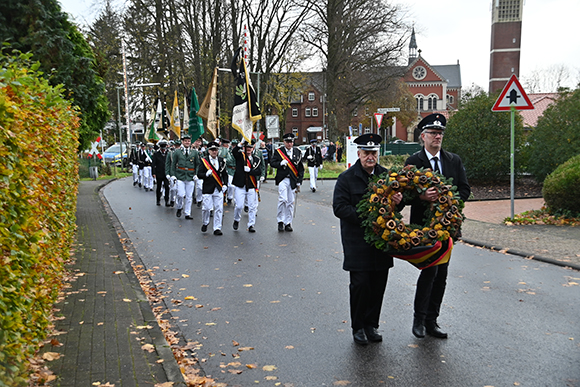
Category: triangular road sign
[379,119]
[513,94]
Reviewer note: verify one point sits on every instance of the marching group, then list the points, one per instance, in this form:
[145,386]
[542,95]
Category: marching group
[223,172]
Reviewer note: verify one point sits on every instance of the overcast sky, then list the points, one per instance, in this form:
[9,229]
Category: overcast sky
[459,30]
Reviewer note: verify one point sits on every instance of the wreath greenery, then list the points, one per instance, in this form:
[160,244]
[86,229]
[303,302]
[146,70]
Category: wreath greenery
[384,227]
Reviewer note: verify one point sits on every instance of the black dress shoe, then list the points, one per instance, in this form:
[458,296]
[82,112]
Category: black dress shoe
[246,208]
[360,337]
[140,185]
[178,213]
[434,330]
[313,190]
[288,228]
[158,203]
[236,224]
[217,232]
[204,228]
[167,204]
[229,201]
[280,226]
[198,204]
[418,328]
[251,229]
[134,183]
[188,217]
[172,203]
[373,334]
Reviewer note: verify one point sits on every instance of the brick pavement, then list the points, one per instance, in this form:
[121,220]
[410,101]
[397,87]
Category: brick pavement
[109,333]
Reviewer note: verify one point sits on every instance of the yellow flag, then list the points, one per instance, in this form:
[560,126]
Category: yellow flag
[207,111]
[175,125]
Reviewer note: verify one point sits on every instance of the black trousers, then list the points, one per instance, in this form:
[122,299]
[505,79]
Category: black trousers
[367,289]
[430,290]
[161,179]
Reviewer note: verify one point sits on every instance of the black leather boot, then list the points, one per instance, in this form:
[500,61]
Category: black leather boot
[418,327]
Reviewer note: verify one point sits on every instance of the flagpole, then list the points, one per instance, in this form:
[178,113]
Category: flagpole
[217,81]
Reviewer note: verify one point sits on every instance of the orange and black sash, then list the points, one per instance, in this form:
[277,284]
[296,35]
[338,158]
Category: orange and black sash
[290,163]
[214,173]
[252,178]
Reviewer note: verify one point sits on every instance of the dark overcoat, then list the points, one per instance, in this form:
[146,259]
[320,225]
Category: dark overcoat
[283,171]
[241,177]
[209,182]
[350,187]
[452,168]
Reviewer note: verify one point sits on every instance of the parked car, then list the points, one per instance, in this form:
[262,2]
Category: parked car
[303,149]
[112,154]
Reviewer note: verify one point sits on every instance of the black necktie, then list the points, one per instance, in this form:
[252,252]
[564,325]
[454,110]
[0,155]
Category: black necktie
[436,161]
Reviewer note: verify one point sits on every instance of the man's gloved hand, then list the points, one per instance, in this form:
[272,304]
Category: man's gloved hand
[320,166]
[224,188]
[262,178]
[208,173]
[167,177]
[195,178]
[284,162]
[247,169]
[310,157]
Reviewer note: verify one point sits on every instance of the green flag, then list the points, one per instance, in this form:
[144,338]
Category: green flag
[152,130]
[195,122]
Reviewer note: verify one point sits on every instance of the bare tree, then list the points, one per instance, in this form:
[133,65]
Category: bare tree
[549,79]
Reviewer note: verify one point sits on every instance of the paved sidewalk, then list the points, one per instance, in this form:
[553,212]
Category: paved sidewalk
[108,331]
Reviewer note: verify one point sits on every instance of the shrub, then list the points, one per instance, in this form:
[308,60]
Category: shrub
[560,188]
[38,186]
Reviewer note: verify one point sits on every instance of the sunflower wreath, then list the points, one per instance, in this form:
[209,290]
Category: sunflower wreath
[422,245]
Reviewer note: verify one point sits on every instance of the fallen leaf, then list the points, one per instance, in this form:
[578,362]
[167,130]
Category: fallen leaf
[271,378]
[50,356]
[144,327]
[248,285]
[245,349]
[235,343]
[190,298]
[341,383]
[210,324]
[126,300]
[185,275]
[252,366]
[289,347]
[118,272]
[235,372]
[413,345]
[269,368]
[166,384]
[55,343]
[148,347]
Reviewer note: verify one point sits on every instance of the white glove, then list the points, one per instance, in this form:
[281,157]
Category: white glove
[310,157]
[284,162]
[195,178]
[262,178]
[247,169]
[167,177]
[224,188]
[297,184]
[173,178]
[208,173]
[320,166]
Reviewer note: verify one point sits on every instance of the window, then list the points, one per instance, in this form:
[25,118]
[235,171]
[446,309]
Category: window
[307,112]
[314,112]
[432,102]
[294,112]
[419,99]
[450,99]
[367,130]
[311,96]
[295,131]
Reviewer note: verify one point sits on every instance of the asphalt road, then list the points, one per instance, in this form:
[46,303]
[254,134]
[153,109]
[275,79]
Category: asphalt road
[272,308]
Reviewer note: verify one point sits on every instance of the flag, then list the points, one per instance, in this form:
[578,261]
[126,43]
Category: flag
[161,120]
[209,104]
[195,121]
[152,129]
[175,125]
[246,110]
[185,122]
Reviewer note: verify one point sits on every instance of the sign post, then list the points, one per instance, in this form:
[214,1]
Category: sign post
[512,98]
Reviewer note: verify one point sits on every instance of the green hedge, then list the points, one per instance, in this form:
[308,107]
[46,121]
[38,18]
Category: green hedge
[560,190]
[38,186]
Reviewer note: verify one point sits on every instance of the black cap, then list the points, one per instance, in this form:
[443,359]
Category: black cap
[369,142]
[289,137]
[213,145]
[225,141]
[313,141]
[250,144]
[433,121]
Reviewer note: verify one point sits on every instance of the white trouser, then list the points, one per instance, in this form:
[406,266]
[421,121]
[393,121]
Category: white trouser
[147,178]
[135,173]
[313,176]
[231,189]
[213,201]
[172,189]
[141,178]
[286,197]
[184,193]
[241,195]
[198,190]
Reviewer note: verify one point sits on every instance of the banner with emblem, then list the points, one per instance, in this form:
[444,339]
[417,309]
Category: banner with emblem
[174,123]
[151,129]
[195,121]
[246,109]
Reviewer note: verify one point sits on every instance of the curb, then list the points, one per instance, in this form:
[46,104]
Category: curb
[521,254]
[172,369]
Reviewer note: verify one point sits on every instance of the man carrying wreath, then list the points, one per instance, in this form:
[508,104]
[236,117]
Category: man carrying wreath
[368,266]
[212,171]
[289,174]
[432,280]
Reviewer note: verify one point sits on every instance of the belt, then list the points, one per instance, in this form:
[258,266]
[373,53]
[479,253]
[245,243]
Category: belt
[186,169]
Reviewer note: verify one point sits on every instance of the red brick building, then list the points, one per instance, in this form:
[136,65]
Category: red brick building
[305,117]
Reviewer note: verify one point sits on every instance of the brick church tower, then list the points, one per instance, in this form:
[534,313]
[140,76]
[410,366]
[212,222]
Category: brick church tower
[506,32]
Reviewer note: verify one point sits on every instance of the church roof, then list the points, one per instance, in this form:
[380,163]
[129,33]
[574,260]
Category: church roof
[452,73]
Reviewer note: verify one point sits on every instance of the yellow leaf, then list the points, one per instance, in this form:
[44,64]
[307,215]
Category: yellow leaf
[271,378]
[269,368]
[245,349]
[190,298]
[126,300]
[148,347]
[341,383]
[210,324]
[185,275]
[166,384]
[252,366]
[248,285]
[50,356]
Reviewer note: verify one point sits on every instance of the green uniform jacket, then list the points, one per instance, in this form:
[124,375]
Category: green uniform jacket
[185,168]
[168,163]
[258,153]
[230,162]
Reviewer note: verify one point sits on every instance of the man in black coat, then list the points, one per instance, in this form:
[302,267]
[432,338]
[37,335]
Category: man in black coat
[368,266]
[432,281]
[212,170]
[158,168]
[245,182]
[313,157]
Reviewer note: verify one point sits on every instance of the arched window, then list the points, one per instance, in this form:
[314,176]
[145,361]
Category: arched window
[419,99]
[450,99]
[432,102]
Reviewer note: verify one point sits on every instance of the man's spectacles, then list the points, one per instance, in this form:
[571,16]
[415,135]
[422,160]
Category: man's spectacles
[435,134]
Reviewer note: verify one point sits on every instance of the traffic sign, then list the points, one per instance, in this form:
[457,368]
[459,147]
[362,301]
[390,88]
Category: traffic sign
[388,110]
[379,119]
[513,94]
